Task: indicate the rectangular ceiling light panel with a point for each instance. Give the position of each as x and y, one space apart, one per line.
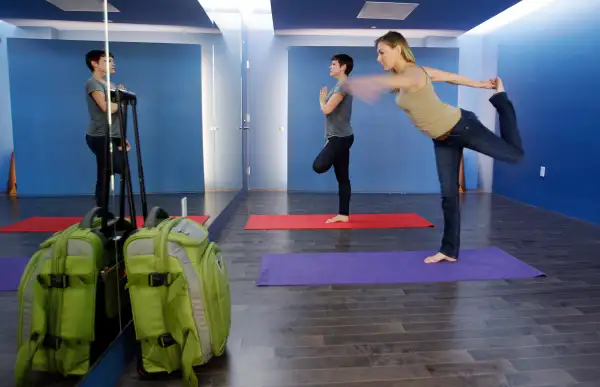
82 5
385 10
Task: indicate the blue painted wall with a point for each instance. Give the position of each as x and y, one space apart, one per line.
389 154
49 114
556 101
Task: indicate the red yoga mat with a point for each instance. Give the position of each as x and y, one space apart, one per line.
317 222
56 223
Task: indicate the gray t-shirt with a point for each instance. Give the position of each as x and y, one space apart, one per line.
337 123
98 119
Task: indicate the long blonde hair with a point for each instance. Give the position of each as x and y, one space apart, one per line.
395 39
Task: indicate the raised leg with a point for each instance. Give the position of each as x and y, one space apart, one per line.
324 160
508 146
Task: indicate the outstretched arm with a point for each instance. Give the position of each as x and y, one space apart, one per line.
368 88
456 79
406 80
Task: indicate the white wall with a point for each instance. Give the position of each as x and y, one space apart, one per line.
226 103
268 83
478 60
221 148
6 133
268 96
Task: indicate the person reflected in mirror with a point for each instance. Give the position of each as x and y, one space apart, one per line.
96 99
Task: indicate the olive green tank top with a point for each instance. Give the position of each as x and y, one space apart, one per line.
427 112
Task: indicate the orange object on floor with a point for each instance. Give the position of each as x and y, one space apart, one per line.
11 187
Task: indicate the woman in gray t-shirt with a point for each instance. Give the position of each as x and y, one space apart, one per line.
337 107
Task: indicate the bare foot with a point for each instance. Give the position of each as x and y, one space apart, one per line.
439 257
499 85
338 219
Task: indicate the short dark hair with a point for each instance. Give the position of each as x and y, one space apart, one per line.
95 56
344 59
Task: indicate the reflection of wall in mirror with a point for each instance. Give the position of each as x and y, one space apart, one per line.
229 177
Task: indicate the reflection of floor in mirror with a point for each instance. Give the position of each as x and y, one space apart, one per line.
8 336
534 332
16 245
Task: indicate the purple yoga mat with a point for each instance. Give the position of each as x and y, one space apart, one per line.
11 270
394 267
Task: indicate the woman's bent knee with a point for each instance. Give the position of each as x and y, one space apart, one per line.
320 167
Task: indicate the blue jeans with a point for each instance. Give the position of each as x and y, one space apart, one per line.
470 133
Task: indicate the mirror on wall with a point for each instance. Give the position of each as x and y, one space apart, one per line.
65 284
179 97
223 108
132 116
178 114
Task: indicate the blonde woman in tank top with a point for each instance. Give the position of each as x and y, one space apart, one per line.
451 129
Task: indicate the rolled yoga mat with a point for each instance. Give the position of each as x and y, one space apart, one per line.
489 263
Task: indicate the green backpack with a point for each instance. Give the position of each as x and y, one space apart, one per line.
179 292
68 304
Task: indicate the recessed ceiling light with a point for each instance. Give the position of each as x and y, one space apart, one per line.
82 5
373 27
386 10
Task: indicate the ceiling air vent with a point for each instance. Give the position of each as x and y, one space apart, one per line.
386 10
82 5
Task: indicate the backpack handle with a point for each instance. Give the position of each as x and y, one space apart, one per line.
156 216
88 219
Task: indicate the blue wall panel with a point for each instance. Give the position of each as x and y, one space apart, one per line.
555 99
49 114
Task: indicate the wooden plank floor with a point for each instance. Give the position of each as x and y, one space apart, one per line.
26 244
519 333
